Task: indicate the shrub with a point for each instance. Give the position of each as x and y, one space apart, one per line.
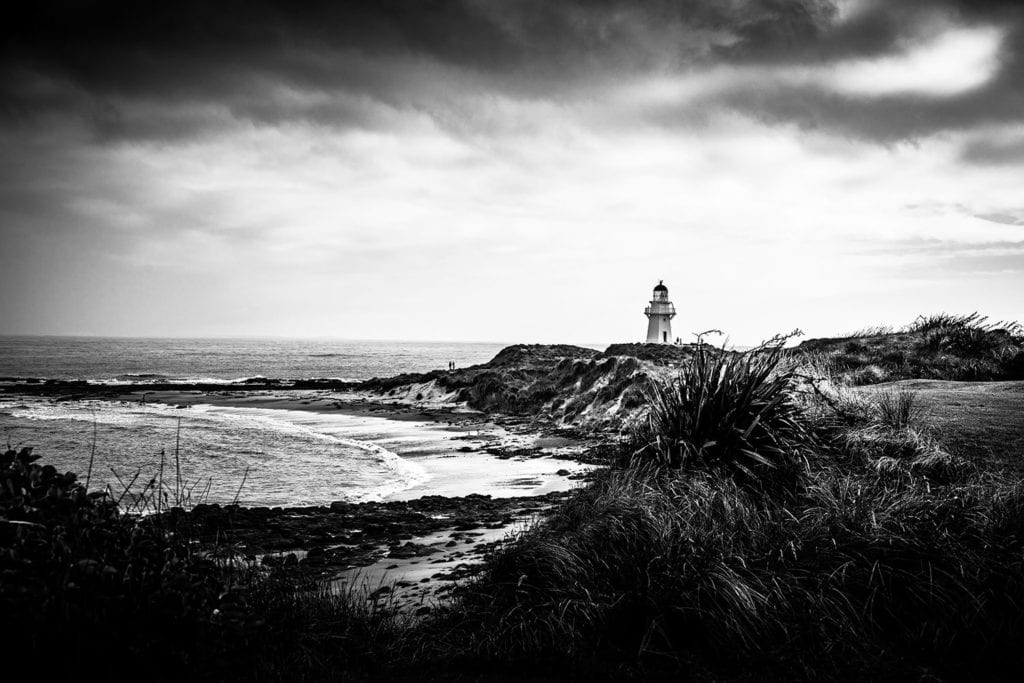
730 412
81 581
82 578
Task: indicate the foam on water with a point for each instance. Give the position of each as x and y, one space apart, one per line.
284 457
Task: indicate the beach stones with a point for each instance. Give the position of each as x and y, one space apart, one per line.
411 549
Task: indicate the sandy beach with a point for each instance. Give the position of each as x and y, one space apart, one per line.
463 451
496 476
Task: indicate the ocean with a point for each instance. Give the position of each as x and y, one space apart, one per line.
259 456
107 359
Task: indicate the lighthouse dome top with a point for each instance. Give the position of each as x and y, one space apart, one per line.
660 287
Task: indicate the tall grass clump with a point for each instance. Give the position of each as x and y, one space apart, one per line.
947 321
939 346
730 412
898 409
638 564
982 344
313 630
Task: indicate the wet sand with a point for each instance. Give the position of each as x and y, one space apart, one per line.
462 451
486 480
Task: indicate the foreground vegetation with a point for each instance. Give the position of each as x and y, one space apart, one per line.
764 521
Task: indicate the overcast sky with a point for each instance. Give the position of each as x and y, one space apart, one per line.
508 170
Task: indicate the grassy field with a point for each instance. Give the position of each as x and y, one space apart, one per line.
982 421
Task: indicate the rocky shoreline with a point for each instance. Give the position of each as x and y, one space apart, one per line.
413 550
442 536
409 551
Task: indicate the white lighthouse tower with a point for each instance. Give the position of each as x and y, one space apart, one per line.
659 316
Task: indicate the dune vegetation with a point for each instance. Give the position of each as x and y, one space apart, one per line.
768 521
764 520
940 346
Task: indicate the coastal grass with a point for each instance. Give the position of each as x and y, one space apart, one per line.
650 574
898 409
733 412
890 557
314 630
120 580
764 521
81 576
939 346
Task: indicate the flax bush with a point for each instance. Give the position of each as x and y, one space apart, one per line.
729 412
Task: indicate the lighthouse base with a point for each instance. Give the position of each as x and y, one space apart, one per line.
659 330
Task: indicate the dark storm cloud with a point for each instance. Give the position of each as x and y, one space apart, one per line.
90 58
881 29
884 118
877 27
138 46
159 70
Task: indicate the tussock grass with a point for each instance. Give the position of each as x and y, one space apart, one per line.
889 556
945 321
870 331
320 632
898 409
693 573
939 346
732 412
82 578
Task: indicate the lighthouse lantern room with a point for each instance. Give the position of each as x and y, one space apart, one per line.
659 316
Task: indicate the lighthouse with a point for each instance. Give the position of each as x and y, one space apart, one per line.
659 316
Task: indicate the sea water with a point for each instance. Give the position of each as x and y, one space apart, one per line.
214 454
195 360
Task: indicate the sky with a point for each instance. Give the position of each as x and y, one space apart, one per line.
508 170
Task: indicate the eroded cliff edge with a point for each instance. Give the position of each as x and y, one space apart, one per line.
568 385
